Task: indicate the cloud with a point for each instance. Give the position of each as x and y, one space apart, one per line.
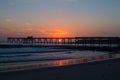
57 33
52 31
8 20
28 24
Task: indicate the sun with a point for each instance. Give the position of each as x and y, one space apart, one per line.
60 40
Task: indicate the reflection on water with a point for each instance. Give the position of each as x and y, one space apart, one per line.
61 63
82 60
58 63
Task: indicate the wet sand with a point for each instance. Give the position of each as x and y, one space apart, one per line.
104 70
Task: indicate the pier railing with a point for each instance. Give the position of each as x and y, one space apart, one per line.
69 42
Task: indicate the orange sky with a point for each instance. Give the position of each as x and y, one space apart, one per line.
59 18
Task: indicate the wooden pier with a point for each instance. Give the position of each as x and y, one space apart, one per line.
70 42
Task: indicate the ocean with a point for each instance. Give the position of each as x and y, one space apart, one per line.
13 55
27 58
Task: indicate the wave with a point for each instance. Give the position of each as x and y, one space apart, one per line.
29 50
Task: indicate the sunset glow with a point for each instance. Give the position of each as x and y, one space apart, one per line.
59 18
60 34
60 40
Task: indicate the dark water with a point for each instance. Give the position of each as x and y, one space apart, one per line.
17 61
23 57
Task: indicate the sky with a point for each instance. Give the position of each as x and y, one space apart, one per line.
59 18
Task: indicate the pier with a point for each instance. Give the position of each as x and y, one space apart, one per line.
69 42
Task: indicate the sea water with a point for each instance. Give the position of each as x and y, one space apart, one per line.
12 59
13 55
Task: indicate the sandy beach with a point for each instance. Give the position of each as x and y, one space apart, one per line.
103 70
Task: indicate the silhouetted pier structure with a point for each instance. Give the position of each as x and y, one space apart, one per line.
70 42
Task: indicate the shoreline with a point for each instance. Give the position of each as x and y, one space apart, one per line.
57 63
102 70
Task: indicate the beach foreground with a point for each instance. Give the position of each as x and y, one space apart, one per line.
103 70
